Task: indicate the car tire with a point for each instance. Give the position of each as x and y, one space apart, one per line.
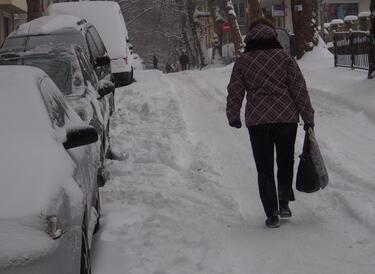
85 250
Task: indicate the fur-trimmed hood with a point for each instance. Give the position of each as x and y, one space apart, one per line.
261 32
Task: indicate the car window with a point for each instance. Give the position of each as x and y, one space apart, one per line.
98 41
67 38
10 61
55 106
59 69
92 47
88 72
14 42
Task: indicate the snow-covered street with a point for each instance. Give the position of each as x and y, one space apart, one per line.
183 195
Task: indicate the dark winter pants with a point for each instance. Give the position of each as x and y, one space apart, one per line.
264 138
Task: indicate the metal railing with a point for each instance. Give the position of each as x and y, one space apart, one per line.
351 49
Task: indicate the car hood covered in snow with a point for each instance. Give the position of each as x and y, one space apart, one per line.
34 166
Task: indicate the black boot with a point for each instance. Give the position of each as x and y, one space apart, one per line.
284 210
273 222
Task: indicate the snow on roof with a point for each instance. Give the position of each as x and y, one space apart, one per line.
337 21
109 22
47 24
351 18
364 14
33 165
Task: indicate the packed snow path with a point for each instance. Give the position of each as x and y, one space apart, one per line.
183 196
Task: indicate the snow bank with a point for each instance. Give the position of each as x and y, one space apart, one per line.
349 99
364 14
350 18
183 197
137 62
337 22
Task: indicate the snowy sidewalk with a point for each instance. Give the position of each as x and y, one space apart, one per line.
184 199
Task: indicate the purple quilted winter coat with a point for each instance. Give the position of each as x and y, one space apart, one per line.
273 83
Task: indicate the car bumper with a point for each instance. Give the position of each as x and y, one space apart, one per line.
65 259
123 78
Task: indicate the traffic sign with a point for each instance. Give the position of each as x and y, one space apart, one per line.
225 27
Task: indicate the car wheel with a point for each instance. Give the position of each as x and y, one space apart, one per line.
85 251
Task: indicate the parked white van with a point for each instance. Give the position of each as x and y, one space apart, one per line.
107 18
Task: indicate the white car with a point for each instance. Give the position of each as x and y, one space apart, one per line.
108 19
49 199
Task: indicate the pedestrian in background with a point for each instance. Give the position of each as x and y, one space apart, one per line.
184 60
276 95
178 67
155 62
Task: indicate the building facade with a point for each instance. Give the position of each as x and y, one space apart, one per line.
12 13
338 9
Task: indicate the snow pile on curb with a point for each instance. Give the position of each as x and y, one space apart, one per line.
163 201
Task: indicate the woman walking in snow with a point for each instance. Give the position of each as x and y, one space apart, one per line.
276 95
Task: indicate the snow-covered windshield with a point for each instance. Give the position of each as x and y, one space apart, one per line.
14 42
45 39
59 69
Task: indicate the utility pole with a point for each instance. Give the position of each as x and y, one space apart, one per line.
322 17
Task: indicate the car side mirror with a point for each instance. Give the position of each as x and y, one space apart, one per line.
102 61
77 137
105 87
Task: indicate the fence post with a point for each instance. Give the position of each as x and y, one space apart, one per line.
351 48
371 57
335 48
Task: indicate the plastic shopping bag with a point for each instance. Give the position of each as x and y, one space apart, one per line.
312 173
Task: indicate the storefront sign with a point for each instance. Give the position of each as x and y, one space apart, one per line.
278 10
298 8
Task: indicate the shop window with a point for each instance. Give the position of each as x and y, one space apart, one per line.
339 11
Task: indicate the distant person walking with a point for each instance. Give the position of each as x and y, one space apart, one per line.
216 48
184 60
155 62
276 95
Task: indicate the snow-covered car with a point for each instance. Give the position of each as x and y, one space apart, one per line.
108 19
49 199
68 29
69 68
